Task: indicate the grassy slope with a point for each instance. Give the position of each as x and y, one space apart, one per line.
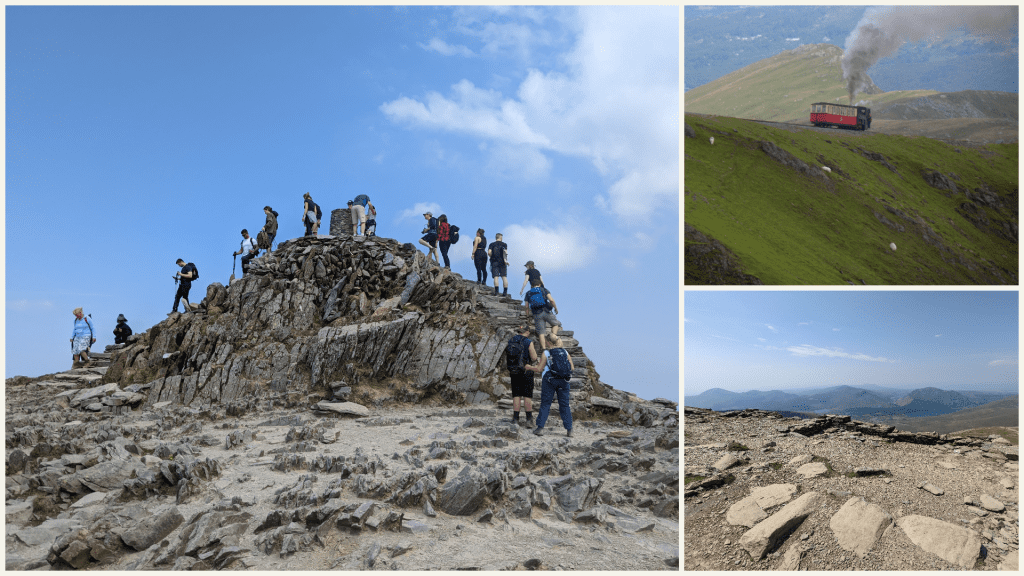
783 87
786 228
1005 412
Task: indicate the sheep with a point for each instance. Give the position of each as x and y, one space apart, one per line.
826 168
712 140
893 246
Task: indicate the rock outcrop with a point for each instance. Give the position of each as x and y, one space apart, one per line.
877 499
343 406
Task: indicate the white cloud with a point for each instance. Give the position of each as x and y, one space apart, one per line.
808 350
762 339
803 323
1003 362
518 163
772 328
568 247
617 105
937 335
418 210
23 305
835 329
442 47
792 39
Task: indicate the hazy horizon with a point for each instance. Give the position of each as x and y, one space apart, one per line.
789 340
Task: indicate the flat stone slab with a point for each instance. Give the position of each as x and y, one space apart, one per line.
928 486
97 392
812 470
605 403
751 510
89 499
1010 562
343 408
726 462
952 543
858 524
947 465
768 534
991 504
801 459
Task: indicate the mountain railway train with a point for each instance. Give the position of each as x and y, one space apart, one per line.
828 115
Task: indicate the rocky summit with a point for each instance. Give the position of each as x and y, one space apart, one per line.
767 492
345 405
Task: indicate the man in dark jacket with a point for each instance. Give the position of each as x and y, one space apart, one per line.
184 278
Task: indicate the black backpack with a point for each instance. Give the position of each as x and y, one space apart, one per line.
319 214
454 234
515 354
195 271
559 365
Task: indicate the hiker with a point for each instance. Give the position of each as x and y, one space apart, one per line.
310 215
122 331
517 352
184 280
444 238
531 273
371 219
480 256
430 240
248 249
270 228
498 252
556 381
540 303
357 210
82 338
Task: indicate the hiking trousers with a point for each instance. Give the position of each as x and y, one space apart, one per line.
550 386
183 288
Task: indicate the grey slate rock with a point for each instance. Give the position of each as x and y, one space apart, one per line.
149 531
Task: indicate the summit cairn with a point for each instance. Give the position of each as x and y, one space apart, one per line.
343 406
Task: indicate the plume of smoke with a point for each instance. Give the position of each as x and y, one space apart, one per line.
881 32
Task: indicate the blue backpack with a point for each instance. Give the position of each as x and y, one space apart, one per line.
559 364
537 299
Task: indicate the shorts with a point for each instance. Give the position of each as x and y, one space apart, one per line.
542 318
498 270
522 385
431 239
311 217
358 214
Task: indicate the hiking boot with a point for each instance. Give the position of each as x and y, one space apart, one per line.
495 290
538 431
568 433
529 421
504 292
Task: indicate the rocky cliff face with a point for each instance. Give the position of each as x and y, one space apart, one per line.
342 406
765 492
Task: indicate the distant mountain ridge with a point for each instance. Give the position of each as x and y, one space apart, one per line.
845 400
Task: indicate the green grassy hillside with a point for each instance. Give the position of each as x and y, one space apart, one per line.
783 87
750 217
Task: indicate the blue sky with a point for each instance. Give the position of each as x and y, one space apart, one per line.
780 340
136 136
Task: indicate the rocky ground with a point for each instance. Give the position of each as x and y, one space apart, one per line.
344 407
764 492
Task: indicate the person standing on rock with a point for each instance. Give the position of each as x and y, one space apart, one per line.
444 238
357 211
82 337
248 249
371 219
184 279
310 215
531 273
498 253
430 239
541 303
270 228
122 331
480 256
522 363
555 382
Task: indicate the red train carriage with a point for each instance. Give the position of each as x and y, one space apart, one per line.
828 115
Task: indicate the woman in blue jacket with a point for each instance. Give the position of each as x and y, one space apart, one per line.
82 337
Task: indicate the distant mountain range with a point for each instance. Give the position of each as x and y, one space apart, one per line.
848 400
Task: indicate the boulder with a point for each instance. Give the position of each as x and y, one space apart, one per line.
812 470
956 545
769 533
726 462
991 504
149 531
343 408
462 495
858 524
